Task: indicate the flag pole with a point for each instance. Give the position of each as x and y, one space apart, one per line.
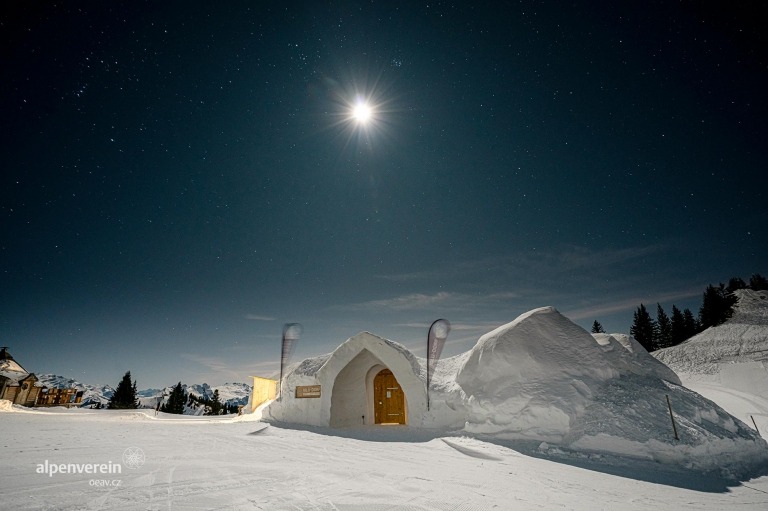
438 333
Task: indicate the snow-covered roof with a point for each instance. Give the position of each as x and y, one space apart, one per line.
311 366
7 363
16 377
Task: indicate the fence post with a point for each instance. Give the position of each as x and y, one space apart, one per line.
672 417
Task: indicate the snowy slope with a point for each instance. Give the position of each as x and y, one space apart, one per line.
734 353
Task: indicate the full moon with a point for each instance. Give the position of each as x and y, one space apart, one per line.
361 113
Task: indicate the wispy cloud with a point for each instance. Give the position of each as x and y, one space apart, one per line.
217 369
413 301
455 327
257 317
529 267
424 301
628 304
463 335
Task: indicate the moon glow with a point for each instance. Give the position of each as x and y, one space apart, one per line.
361 112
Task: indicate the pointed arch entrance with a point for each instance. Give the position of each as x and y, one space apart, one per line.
347 379
388 399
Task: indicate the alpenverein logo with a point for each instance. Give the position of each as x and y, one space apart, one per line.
133 457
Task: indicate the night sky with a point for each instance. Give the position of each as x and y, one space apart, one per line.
180 179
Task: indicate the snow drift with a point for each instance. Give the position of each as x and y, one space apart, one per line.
537 375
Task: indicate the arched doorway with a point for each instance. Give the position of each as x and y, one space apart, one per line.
388 399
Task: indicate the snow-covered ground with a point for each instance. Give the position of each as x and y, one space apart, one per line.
610 446
238 463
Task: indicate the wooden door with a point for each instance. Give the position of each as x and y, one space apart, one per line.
389 399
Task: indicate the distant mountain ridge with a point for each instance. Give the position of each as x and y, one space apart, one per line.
93 395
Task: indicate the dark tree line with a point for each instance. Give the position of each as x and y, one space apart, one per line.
178 399
666 331
213 404
126 397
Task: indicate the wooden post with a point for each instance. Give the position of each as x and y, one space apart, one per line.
755 423
672 417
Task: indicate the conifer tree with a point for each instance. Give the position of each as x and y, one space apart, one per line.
691 327
125 395
758 283
597 328
716 307
215 403
643 328
176 401
664 328
677 326
735 283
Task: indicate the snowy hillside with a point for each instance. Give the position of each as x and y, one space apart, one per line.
734 354
729 363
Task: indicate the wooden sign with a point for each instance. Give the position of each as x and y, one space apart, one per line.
307 391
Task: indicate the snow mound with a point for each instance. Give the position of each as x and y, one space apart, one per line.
533 376
543 377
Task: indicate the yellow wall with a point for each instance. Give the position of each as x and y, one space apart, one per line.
264 390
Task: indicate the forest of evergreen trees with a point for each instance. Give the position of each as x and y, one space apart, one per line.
670 330
212 406
126 397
